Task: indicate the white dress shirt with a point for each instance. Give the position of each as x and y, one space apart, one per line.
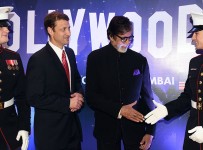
58 52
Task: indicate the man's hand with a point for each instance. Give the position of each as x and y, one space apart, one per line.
146 142
76 101
197 134
156 114
130 113
25 139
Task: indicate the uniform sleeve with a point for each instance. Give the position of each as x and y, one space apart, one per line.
23 108
182 104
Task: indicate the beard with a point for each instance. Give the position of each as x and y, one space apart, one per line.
122 48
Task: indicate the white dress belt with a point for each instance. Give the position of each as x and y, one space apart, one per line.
194 104
7 103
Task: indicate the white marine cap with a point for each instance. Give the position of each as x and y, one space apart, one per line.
4 11
197 18
197 22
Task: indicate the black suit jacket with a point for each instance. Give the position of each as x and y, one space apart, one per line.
115 79
48 92
12 85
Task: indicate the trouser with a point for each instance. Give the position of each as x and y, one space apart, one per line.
9 129
105 145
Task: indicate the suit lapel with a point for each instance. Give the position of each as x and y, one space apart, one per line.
70 58
56 61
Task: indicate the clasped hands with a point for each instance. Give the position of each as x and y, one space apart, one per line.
25 139
76 102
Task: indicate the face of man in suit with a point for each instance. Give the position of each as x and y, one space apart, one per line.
4 31
60 34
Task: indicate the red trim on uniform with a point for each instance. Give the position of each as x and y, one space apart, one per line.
198 121
198 111
5 138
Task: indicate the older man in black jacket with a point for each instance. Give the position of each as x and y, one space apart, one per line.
118 89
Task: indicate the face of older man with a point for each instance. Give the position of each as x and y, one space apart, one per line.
121 42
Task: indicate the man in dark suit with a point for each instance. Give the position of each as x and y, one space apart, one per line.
14 111
118 89
192 96
55 90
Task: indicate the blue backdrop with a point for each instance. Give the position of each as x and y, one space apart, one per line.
160 30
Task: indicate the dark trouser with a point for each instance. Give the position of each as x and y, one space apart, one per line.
76 145
9 129
6 146
190 144
192 122
73 145
104 145
3 145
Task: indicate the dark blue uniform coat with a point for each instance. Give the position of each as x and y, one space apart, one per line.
193 91
12 85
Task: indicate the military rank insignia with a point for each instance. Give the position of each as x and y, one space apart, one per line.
12 64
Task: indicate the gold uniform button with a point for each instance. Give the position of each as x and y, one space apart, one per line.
0 89
199 106
200 82
199 91
0 72
200 99
201 73
0 81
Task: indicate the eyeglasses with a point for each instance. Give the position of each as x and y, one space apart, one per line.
124 39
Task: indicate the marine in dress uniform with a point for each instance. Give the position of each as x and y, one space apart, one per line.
14 113
192 96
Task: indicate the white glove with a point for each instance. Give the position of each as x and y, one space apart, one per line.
197 135
25 139
157 114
